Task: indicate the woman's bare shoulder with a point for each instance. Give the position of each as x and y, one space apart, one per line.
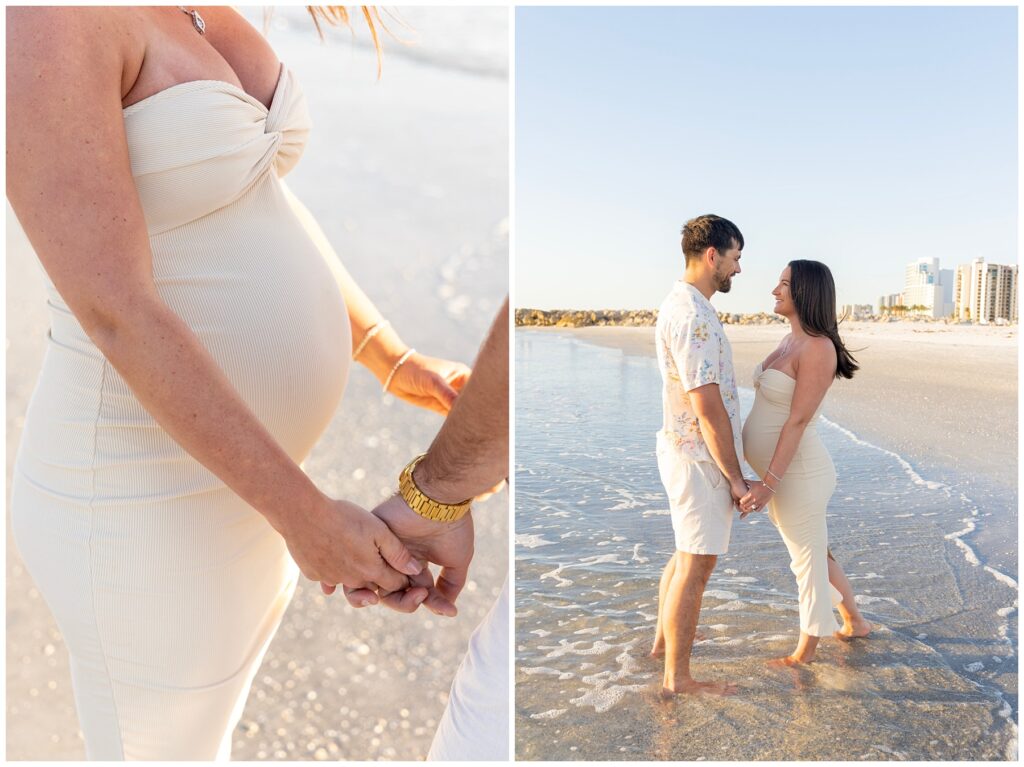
818 351
86 37
52 25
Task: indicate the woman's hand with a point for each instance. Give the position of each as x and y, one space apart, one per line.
446 544
429 382
756 499
338 542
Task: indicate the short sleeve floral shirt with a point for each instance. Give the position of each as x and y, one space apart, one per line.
692 352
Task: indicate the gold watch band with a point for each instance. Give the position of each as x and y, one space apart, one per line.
424 505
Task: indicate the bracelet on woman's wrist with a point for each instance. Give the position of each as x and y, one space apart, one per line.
401 361
369 336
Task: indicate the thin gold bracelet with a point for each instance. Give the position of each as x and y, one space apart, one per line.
401 361
369 336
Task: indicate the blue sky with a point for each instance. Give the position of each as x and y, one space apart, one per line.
862 137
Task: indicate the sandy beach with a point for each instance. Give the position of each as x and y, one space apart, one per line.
408 178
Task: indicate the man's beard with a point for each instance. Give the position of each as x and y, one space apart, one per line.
723 284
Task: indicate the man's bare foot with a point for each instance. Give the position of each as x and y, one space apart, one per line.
789 660
855 630
693 687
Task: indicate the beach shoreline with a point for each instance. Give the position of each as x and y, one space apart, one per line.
958 384
943 397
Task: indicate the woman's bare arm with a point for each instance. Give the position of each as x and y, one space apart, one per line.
69 181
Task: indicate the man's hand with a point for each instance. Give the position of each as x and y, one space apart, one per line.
338 542
448 544
738 488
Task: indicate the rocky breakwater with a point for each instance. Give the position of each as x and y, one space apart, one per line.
637 318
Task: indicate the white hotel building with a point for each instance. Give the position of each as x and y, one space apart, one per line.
985 293
928 286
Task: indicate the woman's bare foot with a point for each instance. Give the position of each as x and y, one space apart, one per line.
693 687
855 629
789 660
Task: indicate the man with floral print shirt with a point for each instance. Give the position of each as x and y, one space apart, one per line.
700 440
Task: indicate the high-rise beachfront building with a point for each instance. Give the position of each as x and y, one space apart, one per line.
886 303
856 311
929 286
985 293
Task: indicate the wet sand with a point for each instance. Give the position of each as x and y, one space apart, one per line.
420 219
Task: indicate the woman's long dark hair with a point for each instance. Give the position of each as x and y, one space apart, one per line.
814 295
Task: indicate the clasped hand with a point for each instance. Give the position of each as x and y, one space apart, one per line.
383 557
756 498
446 544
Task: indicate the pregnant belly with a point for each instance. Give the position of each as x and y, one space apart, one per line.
811 458
260 296
267 308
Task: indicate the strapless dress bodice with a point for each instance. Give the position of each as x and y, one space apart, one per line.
198 146
776 388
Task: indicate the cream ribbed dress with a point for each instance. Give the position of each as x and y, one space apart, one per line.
798 507
166 586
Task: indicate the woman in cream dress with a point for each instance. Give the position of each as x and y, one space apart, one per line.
201 335
781 444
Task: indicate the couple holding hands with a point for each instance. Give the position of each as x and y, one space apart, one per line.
201 334
701 441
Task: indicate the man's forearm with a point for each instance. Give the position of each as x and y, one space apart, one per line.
717 431
470 453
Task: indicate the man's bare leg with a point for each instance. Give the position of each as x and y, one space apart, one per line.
658 650
659 632
854 624
681 613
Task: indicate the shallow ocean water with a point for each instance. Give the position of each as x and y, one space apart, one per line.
937 680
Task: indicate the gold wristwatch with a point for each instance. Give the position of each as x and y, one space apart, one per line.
424 505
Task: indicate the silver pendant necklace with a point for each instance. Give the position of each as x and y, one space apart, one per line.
197 20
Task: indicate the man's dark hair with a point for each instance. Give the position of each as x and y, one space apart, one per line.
709 231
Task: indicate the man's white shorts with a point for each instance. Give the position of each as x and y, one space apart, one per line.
475 726
701 504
